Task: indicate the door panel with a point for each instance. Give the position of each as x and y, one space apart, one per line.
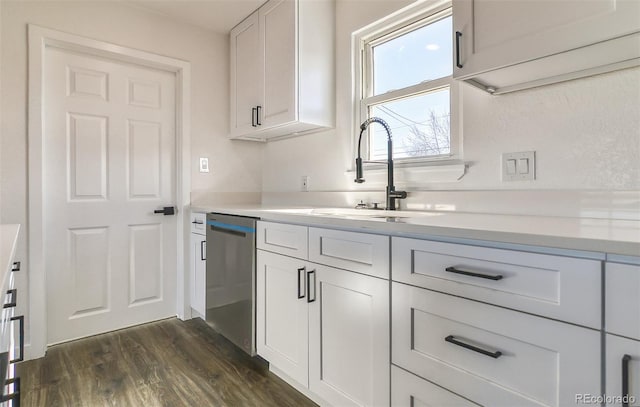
282 332
246 68
89 255
349 338
109 162
277 22
87 137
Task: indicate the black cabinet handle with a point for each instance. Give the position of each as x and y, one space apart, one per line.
309 286
20 320
14 298
15 266
494 277
258 108
301 270
458 35
203 250
15 395
452 339
625 380
254 110
195 222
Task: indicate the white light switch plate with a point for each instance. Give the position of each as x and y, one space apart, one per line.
519 166
204 164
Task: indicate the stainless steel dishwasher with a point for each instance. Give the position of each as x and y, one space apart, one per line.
231 276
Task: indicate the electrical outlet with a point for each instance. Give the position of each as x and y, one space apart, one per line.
519 166
204 164
304 183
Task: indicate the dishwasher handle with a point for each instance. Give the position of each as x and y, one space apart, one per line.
229 228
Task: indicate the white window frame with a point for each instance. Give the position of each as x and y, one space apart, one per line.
398 23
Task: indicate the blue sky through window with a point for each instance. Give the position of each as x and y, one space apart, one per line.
418 123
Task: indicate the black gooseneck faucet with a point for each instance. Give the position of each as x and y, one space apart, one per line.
392 194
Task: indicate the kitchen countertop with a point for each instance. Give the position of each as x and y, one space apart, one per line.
611 236
8 241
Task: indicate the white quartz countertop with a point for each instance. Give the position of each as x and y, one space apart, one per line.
8 241
611 236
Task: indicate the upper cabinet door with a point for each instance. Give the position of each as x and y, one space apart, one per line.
278 33
496 34
282 70
246 79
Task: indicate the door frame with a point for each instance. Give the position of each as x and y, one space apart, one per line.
39 39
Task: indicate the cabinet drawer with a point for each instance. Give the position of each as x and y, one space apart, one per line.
408 390
198 221
563 288
622 303
361 252
619 349
290 240
491 355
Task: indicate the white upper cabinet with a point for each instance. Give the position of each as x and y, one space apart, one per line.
282 70
503 46
246 67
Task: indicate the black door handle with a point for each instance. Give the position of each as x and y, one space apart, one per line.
309 286
452 339
625 380
301 270
167 210
458 35
494 277
258 108
254 110
20 320
203 250
14 298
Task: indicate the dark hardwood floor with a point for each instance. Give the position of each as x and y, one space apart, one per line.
166 363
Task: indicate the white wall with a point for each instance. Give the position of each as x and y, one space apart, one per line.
236 166
585 132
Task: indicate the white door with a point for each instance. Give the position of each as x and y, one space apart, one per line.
246 80
282 331
278 35
349 338
623 371
109 162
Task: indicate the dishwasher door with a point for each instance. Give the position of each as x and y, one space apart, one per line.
231 270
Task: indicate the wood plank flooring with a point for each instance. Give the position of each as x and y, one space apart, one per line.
167 363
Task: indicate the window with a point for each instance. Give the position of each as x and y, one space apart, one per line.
405 79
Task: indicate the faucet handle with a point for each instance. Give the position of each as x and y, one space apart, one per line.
361 205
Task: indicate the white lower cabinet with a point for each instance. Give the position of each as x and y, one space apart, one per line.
325 328
349 338
282 332
198 267
622 371
491 355
409 390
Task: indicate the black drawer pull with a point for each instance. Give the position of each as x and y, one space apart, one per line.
458 35
452 339
203 250
625 380
254 111
301 270
15 395
258 108
309 286
15 266
494 277
14 298
20 320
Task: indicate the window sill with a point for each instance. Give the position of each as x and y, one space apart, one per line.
414 174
